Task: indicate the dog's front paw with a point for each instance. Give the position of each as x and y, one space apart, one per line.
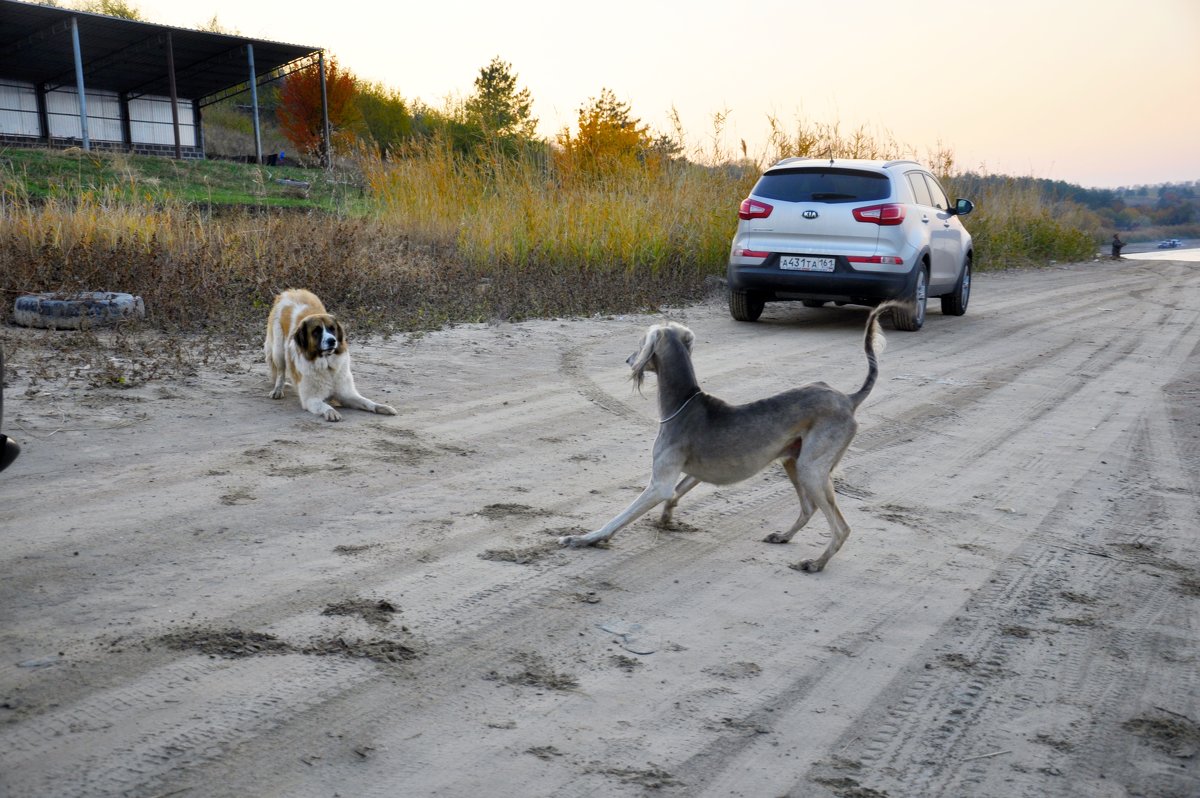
276 393
775 537
331 415
385 410
807 566
582 542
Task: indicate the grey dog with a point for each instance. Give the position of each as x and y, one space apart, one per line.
708 440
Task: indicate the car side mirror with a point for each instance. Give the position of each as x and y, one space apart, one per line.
963 206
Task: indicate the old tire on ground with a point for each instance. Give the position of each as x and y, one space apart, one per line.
67 311
744 306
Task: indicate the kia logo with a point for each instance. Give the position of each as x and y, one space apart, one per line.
810 214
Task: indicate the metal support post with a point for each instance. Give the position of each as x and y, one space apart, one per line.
126 126
325 138
254 105
198 127
174 94
83 119
43 113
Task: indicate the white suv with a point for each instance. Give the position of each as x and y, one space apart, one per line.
857 232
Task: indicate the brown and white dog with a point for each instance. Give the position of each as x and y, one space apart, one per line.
308 345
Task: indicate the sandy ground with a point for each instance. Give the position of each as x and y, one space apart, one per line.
208 593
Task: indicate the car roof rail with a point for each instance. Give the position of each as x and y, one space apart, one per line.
794 159
833 161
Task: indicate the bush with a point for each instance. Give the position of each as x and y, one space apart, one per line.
1014 225
438 232
195 271
520 214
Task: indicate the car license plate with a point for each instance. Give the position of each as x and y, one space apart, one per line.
799 263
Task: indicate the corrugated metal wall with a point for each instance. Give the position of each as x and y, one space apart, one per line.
18 109
149 117
150 121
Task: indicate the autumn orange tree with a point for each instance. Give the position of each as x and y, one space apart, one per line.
299 109
609 138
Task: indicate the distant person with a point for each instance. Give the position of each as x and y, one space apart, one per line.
1117 243
8 447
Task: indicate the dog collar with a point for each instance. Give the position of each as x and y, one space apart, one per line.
680 410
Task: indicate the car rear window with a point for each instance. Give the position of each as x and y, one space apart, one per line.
823 184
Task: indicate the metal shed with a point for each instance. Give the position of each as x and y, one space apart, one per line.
70 78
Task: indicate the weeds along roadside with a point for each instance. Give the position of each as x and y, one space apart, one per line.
1015 225
530 214
437 243
438 237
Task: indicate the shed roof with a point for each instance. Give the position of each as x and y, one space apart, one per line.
129 56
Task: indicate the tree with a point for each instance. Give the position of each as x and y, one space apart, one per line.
497 106
299 110
112 8
608 136
214 26
385 116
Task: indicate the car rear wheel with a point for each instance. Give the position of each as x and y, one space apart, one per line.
745 306
955 303
910 316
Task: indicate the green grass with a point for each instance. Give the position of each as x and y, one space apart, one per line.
39 175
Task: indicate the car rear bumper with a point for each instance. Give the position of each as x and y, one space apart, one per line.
843 284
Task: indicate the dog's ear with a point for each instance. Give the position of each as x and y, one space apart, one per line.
639 362
340 332
301 337
686 336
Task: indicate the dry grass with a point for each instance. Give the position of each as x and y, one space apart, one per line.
1013 224
197 271
441 237
1016 226
523 214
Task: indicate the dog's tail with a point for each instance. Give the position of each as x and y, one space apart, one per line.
874 343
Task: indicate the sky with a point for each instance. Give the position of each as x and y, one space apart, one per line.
1095 92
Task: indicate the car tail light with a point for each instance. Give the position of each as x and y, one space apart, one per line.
887 214
891 260
753 253
753 209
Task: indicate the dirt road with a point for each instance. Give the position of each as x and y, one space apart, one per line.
207 593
